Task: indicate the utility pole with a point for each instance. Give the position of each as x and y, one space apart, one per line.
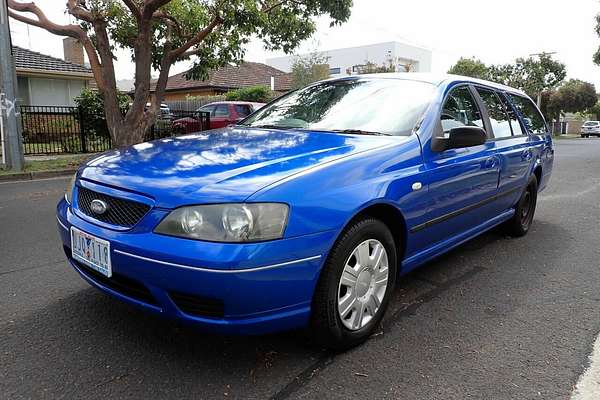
12 146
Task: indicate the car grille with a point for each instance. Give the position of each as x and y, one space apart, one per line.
120 212
199 306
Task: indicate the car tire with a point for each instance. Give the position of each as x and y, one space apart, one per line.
520 223
357 285
582 135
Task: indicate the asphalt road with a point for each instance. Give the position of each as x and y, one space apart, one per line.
498 318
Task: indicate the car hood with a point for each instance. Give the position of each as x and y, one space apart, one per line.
225 165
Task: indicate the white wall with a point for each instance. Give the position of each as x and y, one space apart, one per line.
379 53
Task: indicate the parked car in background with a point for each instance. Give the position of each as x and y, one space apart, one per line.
164 112
306 213
222 114
590 128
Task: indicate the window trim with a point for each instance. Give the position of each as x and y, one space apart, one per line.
437 137
502 95
520 116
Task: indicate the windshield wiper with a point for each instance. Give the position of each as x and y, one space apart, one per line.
360 132
269 126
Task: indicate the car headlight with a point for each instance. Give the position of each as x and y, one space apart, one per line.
69 189
240 222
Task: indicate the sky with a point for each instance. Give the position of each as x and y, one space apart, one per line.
493 31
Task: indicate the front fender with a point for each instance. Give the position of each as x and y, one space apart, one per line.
328 197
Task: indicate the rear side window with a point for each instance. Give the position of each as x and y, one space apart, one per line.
497 113
516 126
534 122
208 109
460 109
243 110
222 110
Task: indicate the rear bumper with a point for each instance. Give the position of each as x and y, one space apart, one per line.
227 288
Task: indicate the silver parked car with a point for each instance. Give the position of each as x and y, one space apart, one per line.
590 128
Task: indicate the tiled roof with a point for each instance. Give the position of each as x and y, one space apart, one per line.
234 77
27 59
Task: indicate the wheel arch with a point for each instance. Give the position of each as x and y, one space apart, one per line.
537 171
392 217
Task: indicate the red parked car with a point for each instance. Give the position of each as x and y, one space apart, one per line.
222 114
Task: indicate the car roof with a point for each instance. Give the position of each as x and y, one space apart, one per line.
433 78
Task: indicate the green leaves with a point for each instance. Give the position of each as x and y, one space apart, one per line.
470 67
574 96
280 24
308 69
257 94
532 75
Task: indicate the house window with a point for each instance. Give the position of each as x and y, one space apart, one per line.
335 71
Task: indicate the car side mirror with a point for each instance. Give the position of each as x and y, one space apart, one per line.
465 136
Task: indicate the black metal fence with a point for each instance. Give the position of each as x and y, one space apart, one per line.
56 130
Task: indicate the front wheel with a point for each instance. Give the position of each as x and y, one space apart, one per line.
521 221
355 286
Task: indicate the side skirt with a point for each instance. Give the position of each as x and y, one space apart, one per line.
444 246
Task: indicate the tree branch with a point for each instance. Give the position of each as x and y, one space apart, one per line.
180 51
74 31
169 20
150 6
134 8
42 21
267 9
76 10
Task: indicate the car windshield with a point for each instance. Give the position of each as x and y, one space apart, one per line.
361 106
591 123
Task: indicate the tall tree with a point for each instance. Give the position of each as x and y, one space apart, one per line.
309 68
210 33
533 75
472 67
594 111
574 96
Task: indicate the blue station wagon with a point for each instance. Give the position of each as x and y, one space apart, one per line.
305 214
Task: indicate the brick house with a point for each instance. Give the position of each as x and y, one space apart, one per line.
227 78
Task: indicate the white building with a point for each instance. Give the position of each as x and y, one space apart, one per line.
406 58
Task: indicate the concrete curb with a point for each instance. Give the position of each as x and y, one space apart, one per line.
30 176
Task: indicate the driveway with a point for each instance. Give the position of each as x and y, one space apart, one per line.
497 318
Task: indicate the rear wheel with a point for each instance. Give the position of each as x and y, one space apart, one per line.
355 285
520 223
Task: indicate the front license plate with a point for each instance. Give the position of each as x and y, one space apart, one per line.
91 251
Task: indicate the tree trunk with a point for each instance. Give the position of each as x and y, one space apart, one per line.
126 133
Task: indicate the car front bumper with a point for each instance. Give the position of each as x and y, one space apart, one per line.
228 288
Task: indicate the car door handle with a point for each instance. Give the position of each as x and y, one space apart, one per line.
491 162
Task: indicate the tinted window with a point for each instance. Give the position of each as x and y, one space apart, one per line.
517 129
460 109
497 113
592 123
534 122
208 109
243 110
221 110
390 106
